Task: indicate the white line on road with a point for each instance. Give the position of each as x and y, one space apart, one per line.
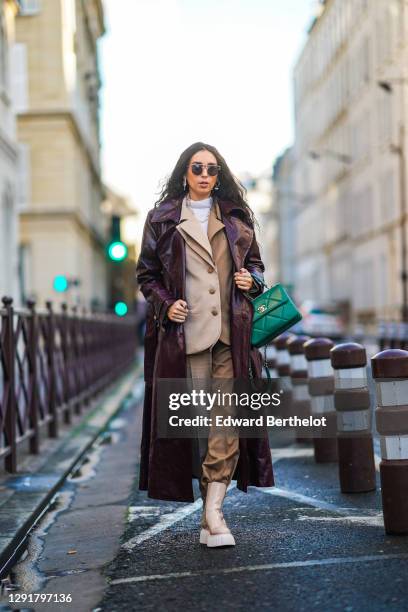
370 521
371 517
290 452
264 567
305 499
165 521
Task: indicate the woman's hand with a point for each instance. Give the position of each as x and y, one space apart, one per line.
243 279
178 311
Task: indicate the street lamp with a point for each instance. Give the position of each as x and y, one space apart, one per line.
399 149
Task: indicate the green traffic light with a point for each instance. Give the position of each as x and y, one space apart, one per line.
117 251
60 283
121 309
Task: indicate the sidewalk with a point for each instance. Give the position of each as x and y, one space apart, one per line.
26 495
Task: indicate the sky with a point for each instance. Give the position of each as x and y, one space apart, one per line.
179 71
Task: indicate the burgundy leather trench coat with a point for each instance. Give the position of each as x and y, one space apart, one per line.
165 468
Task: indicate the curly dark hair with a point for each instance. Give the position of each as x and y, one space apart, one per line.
230 188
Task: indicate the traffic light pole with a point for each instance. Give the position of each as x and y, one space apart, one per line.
403 219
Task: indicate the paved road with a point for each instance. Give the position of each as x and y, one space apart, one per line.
300 546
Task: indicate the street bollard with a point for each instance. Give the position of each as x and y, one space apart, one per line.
270 358
321 391
390 372
352 403
298 374
283 370
283 359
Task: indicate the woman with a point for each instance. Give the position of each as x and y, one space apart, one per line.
198 268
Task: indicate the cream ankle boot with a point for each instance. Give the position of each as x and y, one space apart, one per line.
218 532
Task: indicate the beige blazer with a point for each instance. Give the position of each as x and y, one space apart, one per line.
209 272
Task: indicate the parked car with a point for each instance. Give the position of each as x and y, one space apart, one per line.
320 320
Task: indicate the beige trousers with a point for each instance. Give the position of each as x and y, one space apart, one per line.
219 453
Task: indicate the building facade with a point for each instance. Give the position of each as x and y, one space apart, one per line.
281 222
259 196
350 112
8 158
56 84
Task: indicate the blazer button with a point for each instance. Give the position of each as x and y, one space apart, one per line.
211 290
210 269
214 311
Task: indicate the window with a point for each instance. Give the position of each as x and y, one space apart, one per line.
19 80
365 60
385 117
25 272
387 197
30 7
362 213
361 137
363 284
3 51
382 293
7 240
24 177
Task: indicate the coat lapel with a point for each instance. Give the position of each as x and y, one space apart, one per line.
214 222
190 228
238 233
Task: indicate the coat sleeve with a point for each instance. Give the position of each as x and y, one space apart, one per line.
149 273
255 266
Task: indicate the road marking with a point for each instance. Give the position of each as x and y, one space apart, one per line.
305 499
290 452
371 517
138 512
165 521
370 521
264 567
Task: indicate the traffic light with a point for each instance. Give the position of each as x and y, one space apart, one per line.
117 250
60 283
121 309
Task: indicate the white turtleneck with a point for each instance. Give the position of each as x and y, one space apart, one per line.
201 209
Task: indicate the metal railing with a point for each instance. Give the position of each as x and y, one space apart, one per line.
51 365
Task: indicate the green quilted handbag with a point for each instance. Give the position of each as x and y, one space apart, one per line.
274 313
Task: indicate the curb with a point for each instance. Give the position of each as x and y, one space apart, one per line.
34 490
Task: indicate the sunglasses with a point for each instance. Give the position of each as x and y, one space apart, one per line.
212 169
